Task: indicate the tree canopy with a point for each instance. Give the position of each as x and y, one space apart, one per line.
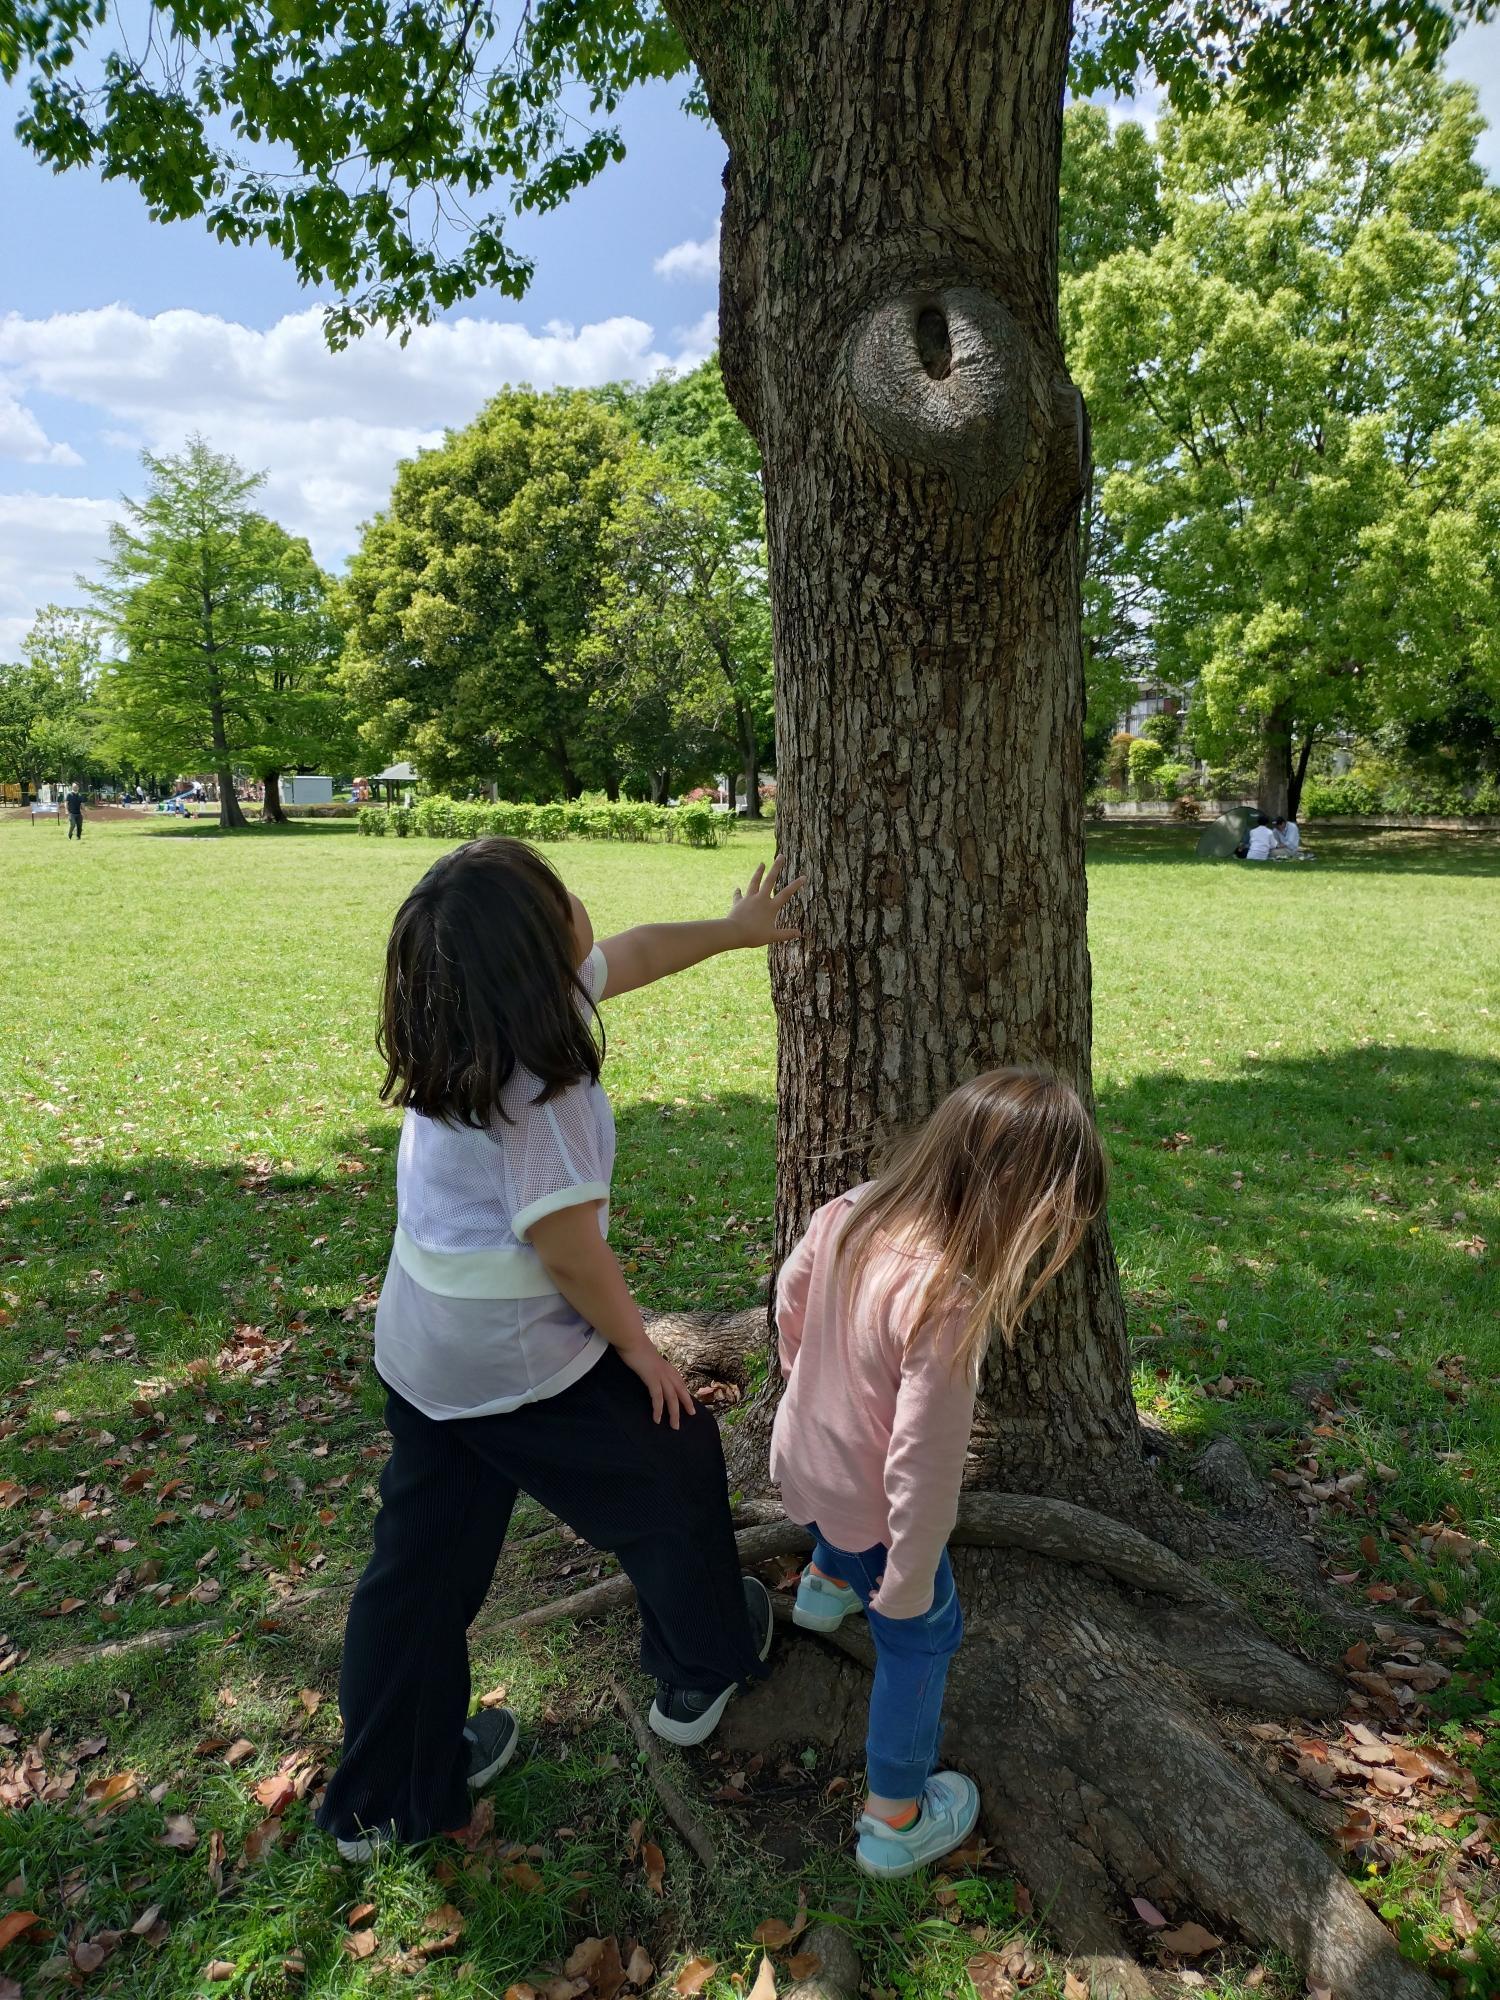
378 143
46 724
1290 389
224 645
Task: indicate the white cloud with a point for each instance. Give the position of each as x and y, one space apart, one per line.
327 428
22 437
45 540
690 263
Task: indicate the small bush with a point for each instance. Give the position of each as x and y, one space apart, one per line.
1147 762
596 818
1344 797
1187 805
1485 802
1117 760
701 826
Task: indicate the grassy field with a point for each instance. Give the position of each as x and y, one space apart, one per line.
1299 1080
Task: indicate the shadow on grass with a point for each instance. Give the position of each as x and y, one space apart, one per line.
169 826
1367 850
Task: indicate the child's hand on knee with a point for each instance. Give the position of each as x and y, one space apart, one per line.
666 1388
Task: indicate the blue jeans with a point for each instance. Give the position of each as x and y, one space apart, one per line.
911 1671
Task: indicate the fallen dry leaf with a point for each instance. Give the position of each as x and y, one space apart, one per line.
360 1944
520 1992
219 1968
311 1700
639 1967
261 1839
1148 1912
145 1921
991 1979
1074 1988
765 1982
108 1793
448 1922
655 1864
276 1793
522 1876
495 1698
804 1965
1189 1940
360 1914
14 1922
181 1834
773 1934
216 1860
1459 1912
693 1977
239 1751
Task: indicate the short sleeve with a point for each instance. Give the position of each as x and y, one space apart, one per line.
594 973
554 1155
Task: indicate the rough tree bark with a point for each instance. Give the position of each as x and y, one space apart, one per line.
1274 789
272 811
889 333
1299 773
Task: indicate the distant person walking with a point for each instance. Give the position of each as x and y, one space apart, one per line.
74 803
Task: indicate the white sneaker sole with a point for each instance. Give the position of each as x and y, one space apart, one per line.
810 1621
479 1779
897 1871
686 1734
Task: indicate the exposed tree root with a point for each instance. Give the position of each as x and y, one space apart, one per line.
838 1976
709 1346
687 1822
1087 1713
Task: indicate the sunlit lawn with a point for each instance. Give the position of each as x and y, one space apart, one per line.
1299 1078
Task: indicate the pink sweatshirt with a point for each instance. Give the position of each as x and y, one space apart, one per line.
870 1438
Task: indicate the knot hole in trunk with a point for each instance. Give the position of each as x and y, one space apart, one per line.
939 375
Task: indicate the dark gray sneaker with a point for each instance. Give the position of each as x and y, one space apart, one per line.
492 1736
688 1715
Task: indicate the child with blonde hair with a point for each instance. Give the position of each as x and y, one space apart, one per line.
884 1311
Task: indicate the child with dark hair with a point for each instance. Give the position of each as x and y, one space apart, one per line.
513 1356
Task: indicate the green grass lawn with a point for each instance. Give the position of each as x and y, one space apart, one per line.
1299 1080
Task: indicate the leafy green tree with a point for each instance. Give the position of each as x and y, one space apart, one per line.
1290 389
305 721
471 591
46 721
223 646
682 619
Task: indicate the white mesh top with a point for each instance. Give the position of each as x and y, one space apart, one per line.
469 1322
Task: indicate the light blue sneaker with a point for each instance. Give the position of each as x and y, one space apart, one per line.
822 1606
949 1814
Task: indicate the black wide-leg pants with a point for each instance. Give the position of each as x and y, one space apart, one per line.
655 1498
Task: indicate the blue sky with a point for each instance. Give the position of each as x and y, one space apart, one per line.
117 334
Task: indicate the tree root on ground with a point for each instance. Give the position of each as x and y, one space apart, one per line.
1088 1719
687 1822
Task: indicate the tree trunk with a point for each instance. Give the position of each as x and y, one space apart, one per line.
1273 791
272 811
749 759
661 786
889 333
732 786
1299 774
888 329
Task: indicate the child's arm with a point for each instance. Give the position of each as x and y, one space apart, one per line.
923 1471
655 951
587 1273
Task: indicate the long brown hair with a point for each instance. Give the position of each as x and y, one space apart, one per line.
480 981
997 1188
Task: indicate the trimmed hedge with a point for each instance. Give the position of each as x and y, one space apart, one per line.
439 818
1367 791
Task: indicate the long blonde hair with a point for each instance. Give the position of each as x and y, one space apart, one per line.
997 1188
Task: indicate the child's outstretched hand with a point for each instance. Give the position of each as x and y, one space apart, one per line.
756 909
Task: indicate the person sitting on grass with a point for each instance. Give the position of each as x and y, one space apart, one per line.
884 1311
1261 843
1288 839
513 1357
